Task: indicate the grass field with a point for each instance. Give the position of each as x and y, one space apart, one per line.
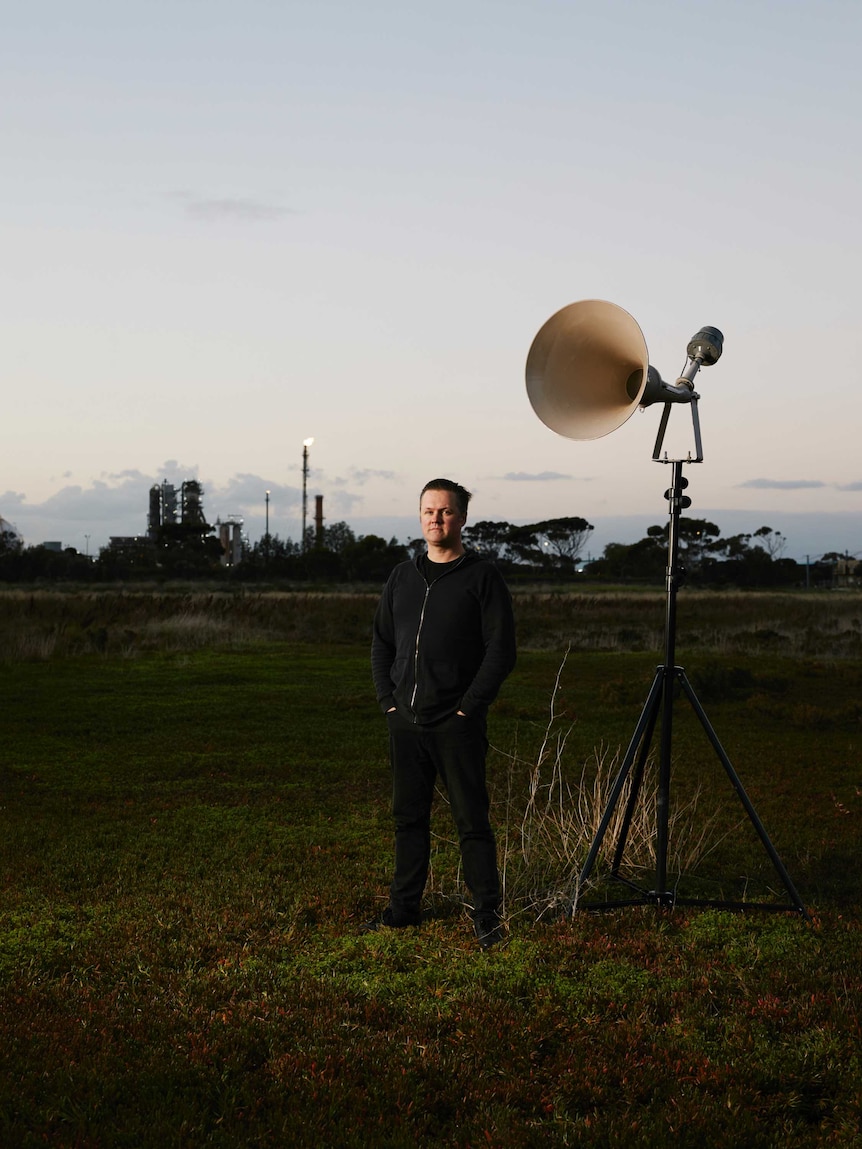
195 823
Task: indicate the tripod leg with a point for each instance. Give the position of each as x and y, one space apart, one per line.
646 721
634 793
662 894
740 790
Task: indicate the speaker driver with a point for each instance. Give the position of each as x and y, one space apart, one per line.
587 369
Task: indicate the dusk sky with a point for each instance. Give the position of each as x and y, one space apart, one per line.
228 227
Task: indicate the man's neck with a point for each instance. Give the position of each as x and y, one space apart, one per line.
444 554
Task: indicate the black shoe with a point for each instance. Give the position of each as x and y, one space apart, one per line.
489 930
392 920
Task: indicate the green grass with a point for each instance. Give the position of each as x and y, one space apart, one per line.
191 838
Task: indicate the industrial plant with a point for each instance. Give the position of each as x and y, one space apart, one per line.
176 518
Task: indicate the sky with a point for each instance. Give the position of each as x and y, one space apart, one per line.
228 227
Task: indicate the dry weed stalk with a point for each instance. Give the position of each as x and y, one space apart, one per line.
545 842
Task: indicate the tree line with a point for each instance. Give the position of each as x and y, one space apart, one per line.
551 550
751 559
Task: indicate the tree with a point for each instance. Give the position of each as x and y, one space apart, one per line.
522 545
773 542
551 545
696 537
744 564
23 564
488 538
733 547
416 547
564 538
371 558
273 548
10 541
646 559
337 537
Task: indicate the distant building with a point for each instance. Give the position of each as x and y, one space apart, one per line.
230 537
132 546
170 508
848 572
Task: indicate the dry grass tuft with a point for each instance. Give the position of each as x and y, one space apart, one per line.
550 815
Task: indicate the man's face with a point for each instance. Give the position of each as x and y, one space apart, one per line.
441 520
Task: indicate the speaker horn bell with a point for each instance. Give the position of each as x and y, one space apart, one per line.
587 369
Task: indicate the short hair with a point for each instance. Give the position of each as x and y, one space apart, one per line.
462 495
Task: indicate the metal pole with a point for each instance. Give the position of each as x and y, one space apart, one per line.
304 491
306 444
677 501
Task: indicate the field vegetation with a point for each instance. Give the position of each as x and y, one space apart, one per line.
44 622
195 824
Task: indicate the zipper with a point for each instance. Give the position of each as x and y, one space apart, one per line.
428 586
416 650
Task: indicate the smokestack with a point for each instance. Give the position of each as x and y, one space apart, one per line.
318 521
154 518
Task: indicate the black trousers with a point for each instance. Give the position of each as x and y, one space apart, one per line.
455 749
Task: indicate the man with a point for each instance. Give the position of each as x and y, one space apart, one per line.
444 641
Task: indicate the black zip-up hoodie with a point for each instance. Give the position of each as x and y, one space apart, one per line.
444 646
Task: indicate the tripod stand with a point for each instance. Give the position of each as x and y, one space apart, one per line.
660 700
587 370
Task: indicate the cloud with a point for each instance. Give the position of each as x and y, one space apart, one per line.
246 494
358 477
118 504
247 491
783 484
849 486
238 209
344 502
114 504
76 504
541 477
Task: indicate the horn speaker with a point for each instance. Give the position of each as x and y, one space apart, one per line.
587 369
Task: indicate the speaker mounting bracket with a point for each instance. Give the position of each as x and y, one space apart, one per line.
697 457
